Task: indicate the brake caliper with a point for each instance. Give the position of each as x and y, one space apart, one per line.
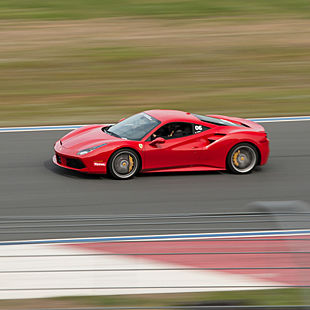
130 163
235 158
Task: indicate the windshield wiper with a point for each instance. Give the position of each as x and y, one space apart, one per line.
112 133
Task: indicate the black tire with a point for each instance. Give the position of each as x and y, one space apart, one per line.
124 164
242 158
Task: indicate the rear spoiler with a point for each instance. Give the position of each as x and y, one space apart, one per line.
241 122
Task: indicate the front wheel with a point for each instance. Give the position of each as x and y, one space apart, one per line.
242 158
123 164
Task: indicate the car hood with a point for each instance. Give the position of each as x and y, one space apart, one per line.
86 137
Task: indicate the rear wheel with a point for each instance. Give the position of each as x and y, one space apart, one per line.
242 158
123 164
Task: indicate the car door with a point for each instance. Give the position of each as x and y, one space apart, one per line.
173 151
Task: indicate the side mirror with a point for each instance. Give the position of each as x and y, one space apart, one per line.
121 119
158 140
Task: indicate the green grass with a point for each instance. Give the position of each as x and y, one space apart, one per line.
65 62
63 76
83 9
260 297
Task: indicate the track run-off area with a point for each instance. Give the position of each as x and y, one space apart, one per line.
31 186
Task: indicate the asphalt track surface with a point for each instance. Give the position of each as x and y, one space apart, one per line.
31 186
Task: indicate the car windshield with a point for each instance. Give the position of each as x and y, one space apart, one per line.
134 127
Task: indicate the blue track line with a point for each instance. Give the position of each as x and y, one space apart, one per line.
39 128
71 127
280 119
162 237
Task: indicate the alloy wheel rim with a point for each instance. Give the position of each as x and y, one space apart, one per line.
243 159
124 165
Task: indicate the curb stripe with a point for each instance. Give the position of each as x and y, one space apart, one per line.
71 127
163 237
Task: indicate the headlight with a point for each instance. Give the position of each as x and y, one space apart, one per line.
86 151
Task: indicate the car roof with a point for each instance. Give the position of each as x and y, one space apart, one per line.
172 116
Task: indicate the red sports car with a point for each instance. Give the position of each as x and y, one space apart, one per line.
163 141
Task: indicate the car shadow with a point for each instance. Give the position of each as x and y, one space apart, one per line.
158 174
49 165
257 169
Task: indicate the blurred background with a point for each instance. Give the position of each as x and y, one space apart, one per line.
78 61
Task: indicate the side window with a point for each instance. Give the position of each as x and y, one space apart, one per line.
199 128
173 130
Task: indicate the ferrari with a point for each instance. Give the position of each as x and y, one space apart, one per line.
164 141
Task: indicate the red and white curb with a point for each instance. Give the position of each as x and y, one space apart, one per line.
34 269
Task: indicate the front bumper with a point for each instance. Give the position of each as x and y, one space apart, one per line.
69 163
66 158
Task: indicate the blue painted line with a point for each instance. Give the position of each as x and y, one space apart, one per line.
282 119
160 237
39 128
71 127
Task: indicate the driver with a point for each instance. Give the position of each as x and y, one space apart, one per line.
158 133
171 130
166 132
